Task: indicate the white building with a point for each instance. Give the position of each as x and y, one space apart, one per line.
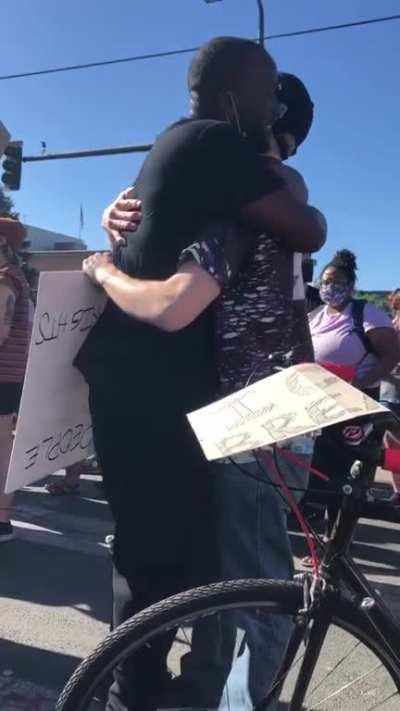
40 240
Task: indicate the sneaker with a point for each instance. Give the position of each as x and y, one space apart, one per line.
6 532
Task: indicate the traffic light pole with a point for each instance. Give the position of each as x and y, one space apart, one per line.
118 150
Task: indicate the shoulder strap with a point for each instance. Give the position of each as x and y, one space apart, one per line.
357 313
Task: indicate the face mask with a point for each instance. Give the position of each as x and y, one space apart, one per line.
334 295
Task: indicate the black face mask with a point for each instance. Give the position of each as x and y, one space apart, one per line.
307 268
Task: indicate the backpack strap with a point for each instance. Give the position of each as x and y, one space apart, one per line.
357 314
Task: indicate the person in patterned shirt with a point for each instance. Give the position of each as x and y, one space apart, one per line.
259 310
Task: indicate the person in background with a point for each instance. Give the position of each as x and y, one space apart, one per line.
348 331
16 314
390 393
70 482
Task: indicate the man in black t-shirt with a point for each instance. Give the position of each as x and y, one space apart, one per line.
145 377
260 310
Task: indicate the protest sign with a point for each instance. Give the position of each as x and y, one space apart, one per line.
294 401
54 426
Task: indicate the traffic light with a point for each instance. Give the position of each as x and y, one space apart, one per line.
12 165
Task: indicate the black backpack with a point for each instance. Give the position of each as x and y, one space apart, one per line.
357 312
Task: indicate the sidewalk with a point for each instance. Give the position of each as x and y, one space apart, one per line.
55 592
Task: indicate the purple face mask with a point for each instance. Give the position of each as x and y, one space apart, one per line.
335 294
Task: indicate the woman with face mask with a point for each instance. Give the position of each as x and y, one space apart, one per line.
347 331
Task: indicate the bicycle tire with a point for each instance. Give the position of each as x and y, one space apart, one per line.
281 597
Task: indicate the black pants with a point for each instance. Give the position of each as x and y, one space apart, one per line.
334 460
157 485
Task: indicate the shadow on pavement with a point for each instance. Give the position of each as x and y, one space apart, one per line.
52 576
42 667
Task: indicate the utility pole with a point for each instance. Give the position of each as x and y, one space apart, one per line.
261 19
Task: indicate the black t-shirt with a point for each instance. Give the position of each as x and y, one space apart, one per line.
197 171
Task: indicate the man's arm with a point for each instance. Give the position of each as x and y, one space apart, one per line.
230 179
170 304
238 180
300 227
7 309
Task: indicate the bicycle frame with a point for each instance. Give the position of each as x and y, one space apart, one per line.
338 565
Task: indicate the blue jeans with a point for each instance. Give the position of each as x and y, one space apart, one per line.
251 542
389 394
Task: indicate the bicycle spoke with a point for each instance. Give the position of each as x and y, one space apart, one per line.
228 656
284 676
380 703
185 637
334 668
347 686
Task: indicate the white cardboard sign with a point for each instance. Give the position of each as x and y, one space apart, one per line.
295 401
54 425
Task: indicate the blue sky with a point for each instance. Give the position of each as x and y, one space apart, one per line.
350 161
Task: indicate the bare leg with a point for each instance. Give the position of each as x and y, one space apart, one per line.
6 439
392 440
70 483
6 501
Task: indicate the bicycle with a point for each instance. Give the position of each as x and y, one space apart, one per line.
333 610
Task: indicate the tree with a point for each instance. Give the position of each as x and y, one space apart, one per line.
378 298
6 205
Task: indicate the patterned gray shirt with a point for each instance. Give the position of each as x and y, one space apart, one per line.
261 309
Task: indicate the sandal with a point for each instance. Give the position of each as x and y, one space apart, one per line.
62 488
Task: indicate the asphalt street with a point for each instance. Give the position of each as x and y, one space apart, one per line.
55 588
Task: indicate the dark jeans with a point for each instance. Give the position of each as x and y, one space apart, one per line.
180 522
157 485
252 542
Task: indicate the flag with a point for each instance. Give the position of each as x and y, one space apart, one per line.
81 220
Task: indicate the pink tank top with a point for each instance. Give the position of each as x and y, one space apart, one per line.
14 352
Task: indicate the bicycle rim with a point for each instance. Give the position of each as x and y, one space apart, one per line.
221 647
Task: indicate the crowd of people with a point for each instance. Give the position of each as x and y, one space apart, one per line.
210 255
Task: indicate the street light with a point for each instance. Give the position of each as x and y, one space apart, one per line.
261 22
261 19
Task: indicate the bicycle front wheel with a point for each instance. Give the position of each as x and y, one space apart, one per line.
221 647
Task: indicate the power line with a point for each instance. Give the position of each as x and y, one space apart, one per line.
189 50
